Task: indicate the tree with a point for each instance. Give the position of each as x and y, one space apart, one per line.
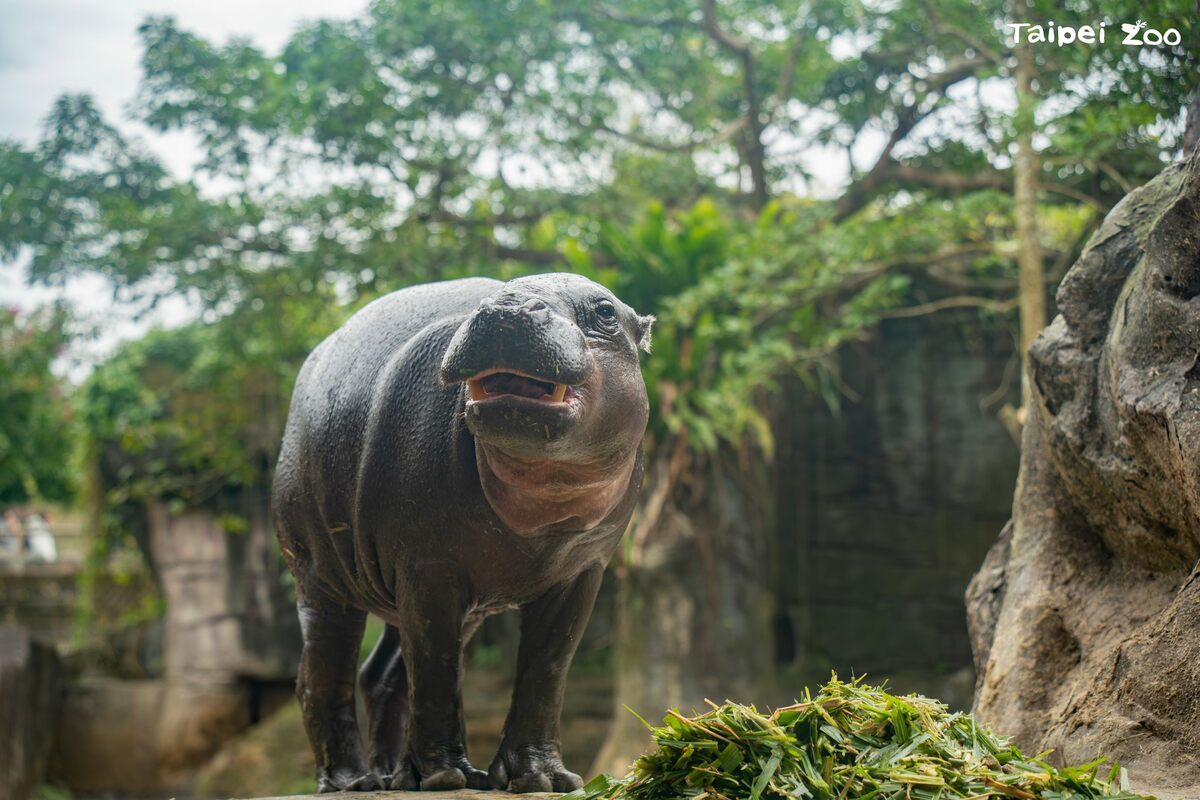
1031 272
36 429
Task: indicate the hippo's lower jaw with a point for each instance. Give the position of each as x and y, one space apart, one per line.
495 383
522 412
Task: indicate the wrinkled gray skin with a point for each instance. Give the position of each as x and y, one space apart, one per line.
399 495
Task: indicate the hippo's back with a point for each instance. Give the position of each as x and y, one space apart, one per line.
329 420
343 368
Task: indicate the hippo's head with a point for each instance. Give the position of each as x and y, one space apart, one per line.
552 388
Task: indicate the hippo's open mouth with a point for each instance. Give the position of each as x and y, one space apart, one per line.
494 384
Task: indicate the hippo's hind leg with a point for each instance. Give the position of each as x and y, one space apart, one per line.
530 756
325 686
384 683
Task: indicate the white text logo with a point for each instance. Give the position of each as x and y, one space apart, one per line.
1136 34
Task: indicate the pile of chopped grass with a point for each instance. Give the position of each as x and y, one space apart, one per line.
849 742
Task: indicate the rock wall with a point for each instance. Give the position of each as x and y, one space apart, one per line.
43 599
230 637
1086 616
693 608
30 693
888 505
228 616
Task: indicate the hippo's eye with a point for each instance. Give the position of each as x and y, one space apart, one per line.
606 310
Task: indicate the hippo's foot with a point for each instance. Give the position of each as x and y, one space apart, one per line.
532 768
401 778
347 780
453 774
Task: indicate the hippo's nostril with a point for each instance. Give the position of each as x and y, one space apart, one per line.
514 302
506 301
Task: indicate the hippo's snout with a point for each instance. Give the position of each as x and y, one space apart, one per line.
516 344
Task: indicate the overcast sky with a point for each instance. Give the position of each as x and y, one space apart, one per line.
48 47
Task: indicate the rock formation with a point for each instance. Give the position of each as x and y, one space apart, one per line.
30 694
230 638
1085 618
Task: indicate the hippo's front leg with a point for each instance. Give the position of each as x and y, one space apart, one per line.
530 756
432 615
325 686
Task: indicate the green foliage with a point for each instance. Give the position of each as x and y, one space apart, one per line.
35 422
49 792
846 741
741 306
744 305
184 414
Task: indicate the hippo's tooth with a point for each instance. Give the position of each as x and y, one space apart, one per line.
560 392
477 390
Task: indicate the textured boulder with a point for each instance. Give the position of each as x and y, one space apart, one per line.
1085 618
141 738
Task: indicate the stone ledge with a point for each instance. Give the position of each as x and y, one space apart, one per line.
1185 793
460 794
1192 793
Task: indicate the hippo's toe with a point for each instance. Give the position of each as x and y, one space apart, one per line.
444 780
533 782
555 781
477 779
404 779
348 781
565 781
533 769
448 778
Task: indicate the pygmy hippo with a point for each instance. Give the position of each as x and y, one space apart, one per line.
455 450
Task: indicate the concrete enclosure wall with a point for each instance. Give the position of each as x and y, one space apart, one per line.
888 506
30 695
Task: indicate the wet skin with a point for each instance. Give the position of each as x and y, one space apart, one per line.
456 450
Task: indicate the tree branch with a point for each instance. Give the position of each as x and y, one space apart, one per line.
442 215
723 38
961 301
783 91
727 132
946 179
860 191
1075 194
614 15
996 57
755 151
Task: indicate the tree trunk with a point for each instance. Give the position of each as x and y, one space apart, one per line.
1030 267
1084 617
756 151
694 604
1191 133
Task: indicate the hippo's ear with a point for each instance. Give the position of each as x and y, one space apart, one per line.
644 324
